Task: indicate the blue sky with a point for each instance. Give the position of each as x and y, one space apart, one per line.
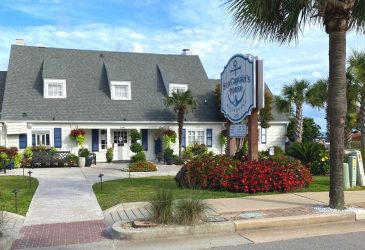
158 26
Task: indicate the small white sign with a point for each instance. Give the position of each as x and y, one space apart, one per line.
237 130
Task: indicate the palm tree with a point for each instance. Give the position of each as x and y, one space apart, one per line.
281 21
317 97
182 102
294 94
357 68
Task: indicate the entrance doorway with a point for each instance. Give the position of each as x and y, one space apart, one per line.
121 145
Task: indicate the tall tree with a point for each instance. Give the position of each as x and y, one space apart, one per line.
310 130
182 102
357 68
281 21
265 113
294 94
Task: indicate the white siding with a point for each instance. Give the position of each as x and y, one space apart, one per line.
275 136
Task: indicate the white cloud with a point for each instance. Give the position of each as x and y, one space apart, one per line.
317 74
137 47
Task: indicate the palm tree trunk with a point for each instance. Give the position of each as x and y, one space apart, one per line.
362 123
337 115
327 120
298 127
180 119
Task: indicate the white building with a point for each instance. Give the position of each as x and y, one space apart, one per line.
47 92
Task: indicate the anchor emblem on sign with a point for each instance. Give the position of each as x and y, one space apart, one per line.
236 91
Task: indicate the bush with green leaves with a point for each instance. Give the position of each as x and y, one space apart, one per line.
306 152
161 207
73 160
109 155
84 152
194 150
144 166
278 154
321 166
27 153
189 211
139 157
136 147
17 160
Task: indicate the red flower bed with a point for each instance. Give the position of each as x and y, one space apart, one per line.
223 173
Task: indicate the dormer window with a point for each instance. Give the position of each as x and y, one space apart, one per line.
54 88
120 90
177 87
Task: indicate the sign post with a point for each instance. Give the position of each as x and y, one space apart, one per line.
241 81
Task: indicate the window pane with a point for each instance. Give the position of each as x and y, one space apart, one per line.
191 137
55 90
200 137
121 91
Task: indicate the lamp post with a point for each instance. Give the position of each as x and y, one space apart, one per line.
101 181
30 179
15 192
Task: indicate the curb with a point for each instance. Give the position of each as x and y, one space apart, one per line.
294 220
118 232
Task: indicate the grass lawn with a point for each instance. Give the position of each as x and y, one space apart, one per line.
25 194
141 189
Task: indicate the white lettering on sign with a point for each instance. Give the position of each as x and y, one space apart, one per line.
237 130
238 88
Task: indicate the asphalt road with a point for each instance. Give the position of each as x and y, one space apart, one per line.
340 241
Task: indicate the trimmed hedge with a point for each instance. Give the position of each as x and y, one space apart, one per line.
224 174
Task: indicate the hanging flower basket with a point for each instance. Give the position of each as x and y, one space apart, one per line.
171 134
78 135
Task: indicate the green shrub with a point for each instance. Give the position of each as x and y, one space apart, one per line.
194 150
84 152
305 152
189 211
17 160
136 147
27 153
176 160
109 155
135 135
144 166
53 149
73 160
161 207
140 156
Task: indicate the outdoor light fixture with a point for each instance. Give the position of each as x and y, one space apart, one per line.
30 179
15 192
101 181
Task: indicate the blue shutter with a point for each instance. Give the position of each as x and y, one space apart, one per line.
144 133
183 143
95 140
209 137
57 134
22 141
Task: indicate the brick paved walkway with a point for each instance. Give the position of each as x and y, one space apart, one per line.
60 234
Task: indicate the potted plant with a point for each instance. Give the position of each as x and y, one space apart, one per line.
109 155
169 156
78 135
83 153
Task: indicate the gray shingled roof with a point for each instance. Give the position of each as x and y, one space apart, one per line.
88 74
2 85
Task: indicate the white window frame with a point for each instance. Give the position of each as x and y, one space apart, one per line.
47 82
195 136
173 86
41 132
120 83
106 144
263 136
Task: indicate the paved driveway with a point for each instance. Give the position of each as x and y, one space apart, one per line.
64 209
